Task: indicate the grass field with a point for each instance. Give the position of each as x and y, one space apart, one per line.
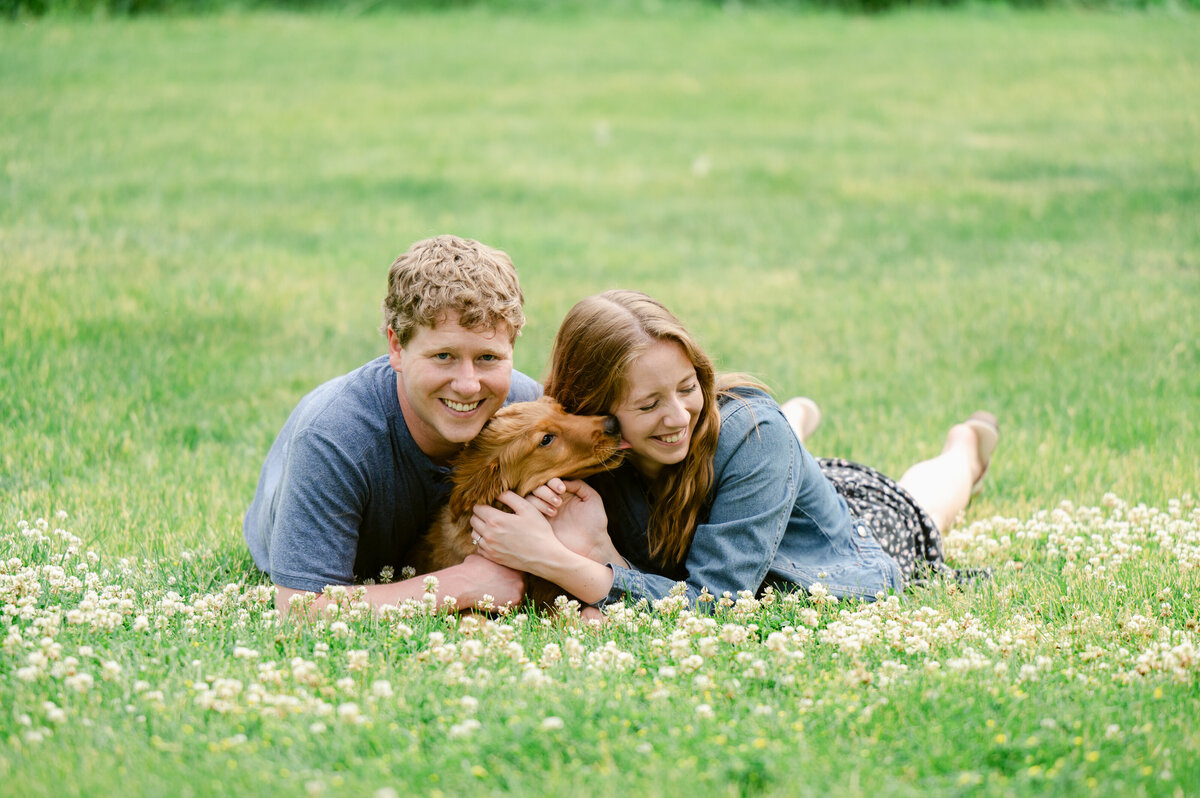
907 217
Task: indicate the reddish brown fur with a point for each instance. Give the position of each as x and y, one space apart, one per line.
508 455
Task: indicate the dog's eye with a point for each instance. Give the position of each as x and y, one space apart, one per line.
547 439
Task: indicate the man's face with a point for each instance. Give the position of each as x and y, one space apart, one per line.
451 381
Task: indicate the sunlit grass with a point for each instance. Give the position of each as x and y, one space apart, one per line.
1072 669
907 217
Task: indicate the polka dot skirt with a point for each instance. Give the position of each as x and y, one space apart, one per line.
903 529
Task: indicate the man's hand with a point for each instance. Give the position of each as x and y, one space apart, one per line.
482 577
468 582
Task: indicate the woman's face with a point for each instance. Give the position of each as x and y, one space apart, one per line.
662 402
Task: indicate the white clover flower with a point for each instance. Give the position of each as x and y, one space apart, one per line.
80 682
552 723
551 653
735 634
357 660
466 728
534 677
704 711
472 650
54 713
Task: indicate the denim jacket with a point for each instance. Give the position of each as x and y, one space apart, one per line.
773 519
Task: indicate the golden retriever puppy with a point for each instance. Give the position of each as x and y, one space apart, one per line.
524 445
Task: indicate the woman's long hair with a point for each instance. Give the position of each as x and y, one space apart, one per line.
598 341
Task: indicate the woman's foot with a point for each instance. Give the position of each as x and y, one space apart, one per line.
987 434
803 414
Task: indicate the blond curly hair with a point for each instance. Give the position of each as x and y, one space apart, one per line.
448 273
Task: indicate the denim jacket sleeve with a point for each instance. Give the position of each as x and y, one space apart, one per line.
757 467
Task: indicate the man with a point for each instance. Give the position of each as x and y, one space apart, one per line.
359 469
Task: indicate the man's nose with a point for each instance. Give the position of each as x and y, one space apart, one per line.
466 380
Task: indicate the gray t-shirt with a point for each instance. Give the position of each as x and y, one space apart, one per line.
345 491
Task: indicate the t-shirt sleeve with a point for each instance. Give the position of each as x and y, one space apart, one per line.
522 389
752 503
322 494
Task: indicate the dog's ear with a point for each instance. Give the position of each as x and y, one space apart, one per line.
478 482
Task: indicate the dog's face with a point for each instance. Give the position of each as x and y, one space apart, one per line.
527 444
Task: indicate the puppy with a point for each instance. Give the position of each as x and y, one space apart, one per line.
524 445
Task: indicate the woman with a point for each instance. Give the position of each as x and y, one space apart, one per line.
716 489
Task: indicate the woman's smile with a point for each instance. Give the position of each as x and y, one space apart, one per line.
661 406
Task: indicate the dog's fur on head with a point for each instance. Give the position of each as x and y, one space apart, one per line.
524 445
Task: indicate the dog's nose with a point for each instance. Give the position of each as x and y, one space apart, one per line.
611 426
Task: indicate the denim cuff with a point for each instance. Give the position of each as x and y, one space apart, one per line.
625 582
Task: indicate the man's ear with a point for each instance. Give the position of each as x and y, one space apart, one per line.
395 350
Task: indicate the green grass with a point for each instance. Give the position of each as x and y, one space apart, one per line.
906 217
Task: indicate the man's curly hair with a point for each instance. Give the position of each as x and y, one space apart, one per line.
448 273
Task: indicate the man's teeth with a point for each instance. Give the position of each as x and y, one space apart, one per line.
676 438
460 406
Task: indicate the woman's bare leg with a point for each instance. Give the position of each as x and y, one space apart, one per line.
943 485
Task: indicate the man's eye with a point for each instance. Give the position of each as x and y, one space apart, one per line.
442 356
547 439
488 358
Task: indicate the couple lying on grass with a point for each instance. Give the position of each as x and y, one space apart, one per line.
716 489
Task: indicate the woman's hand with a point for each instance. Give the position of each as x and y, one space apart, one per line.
549 497
581 523
522 539
572 553
576 513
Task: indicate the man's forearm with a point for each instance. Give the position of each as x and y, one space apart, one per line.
468 583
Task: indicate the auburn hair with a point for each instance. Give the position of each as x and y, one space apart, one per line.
598 341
